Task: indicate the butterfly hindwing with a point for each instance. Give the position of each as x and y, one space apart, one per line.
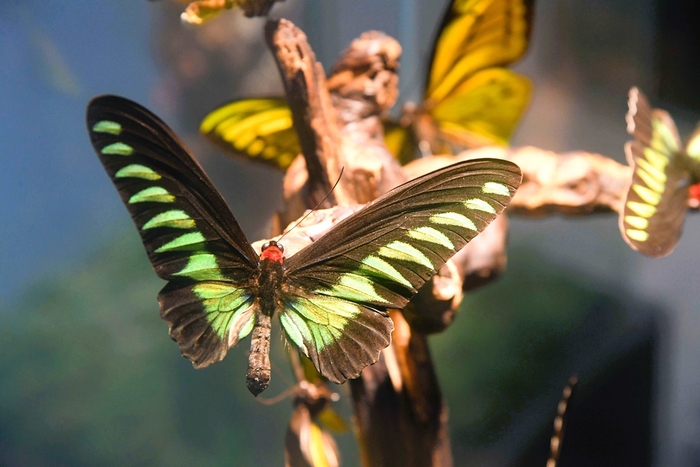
339 288
260 129
655 206
190 235
483 109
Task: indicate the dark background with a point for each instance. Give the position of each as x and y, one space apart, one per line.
89 374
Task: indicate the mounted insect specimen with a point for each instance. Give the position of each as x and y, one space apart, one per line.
331 297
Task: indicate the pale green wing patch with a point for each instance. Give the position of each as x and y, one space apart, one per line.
339 336
654 209
207 318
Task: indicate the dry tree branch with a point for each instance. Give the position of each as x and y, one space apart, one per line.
400 415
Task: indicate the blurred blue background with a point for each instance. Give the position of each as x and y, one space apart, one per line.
90 376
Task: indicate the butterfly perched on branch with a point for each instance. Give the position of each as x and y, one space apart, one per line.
332 297
470 98
664 180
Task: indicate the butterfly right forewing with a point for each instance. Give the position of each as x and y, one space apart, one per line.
340 287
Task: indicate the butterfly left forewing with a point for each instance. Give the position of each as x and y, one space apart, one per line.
191 238
338 289
654 209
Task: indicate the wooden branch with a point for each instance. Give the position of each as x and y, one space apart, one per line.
338 122
413 430
314 116
398 405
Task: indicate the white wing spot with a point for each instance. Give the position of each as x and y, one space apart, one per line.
429 234
406 252
495 188
479 205
453 218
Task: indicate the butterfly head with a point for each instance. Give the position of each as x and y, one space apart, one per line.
272 251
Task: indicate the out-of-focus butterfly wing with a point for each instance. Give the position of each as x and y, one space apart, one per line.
259 129
656 203
484 109
472 100
475 35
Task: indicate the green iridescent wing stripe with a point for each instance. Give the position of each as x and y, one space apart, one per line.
655 206
339 288
259 129
189 233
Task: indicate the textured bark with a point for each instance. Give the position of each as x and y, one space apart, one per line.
400 415
338 121
399 410
314 116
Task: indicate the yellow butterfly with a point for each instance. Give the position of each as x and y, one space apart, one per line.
471 100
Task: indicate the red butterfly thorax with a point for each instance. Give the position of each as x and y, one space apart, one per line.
272 252
694 196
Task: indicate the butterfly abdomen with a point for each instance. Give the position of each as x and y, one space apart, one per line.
269 286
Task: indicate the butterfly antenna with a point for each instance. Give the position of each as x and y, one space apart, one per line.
317 206
559 421
278 398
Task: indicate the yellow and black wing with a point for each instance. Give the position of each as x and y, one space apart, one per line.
471 98
259 129
652 216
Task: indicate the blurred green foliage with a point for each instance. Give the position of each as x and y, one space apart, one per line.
90 376
515 340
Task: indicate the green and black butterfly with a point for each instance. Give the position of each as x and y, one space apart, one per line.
332 296
663 180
